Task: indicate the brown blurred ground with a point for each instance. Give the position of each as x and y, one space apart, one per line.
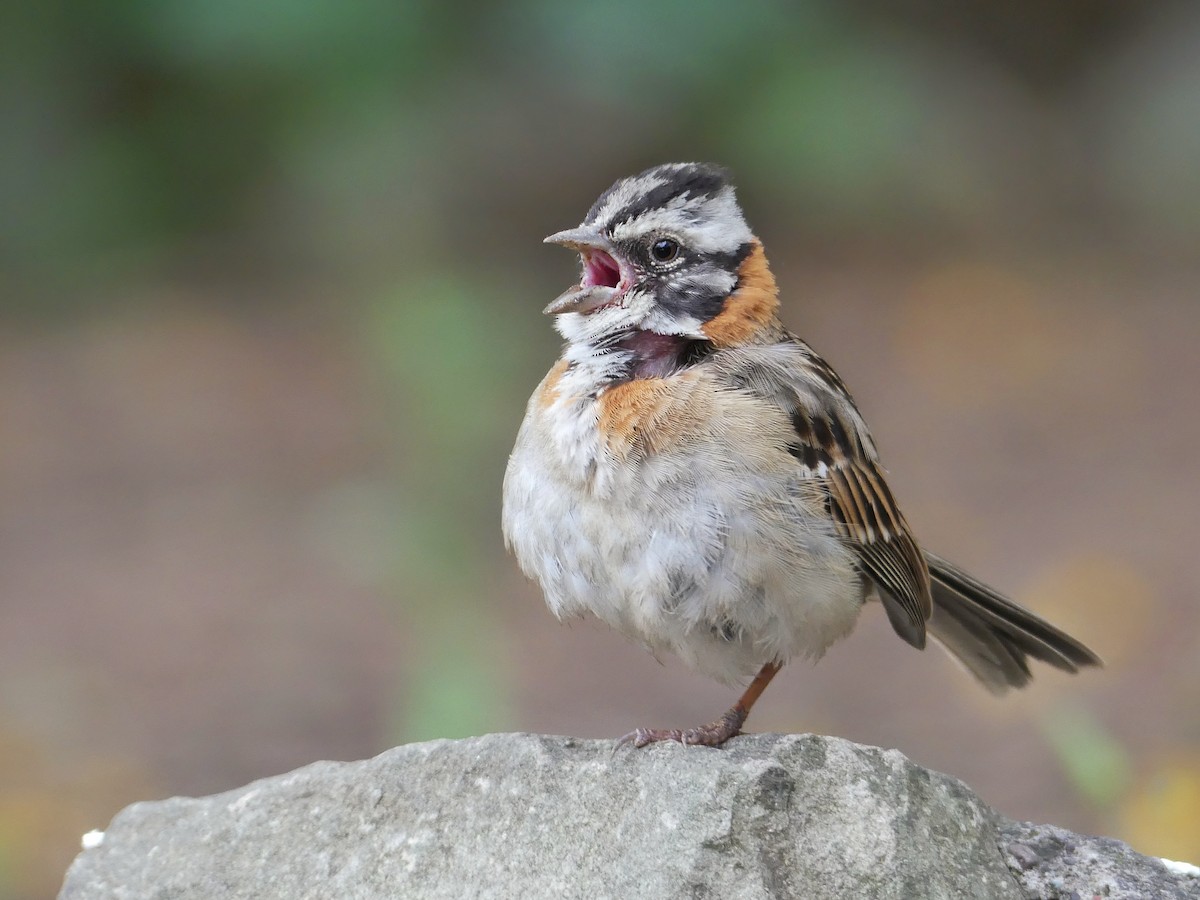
250 454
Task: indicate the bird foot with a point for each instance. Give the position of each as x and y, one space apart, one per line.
714 734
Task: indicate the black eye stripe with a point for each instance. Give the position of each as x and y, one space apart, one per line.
679 292
731 262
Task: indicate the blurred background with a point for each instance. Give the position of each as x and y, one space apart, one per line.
270 282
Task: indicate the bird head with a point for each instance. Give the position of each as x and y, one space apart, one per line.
666 252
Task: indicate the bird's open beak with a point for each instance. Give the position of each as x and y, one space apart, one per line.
585 237
602 279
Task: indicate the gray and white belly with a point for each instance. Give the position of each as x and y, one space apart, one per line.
718 551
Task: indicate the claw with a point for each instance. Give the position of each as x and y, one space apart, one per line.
640 737
714 734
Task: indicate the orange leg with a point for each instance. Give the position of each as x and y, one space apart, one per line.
715 733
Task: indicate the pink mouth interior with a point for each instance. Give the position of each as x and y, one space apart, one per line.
600 270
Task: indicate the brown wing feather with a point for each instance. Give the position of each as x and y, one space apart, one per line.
864 508
833 444
992 636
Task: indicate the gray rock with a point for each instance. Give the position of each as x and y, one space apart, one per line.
1055 863
525 816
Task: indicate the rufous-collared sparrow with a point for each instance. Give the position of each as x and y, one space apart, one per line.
701 480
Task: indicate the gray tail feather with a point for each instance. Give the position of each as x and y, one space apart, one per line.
991 635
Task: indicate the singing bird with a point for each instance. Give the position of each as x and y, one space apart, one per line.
697 477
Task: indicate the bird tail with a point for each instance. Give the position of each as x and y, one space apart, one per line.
991 635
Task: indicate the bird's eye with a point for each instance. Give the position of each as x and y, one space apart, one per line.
664 250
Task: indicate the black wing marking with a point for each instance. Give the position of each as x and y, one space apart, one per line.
862 505
833 445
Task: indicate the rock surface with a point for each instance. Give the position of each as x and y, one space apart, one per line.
513 815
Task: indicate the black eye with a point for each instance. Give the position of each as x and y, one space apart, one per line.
664 250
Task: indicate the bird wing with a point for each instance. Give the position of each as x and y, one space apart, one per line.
834 447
